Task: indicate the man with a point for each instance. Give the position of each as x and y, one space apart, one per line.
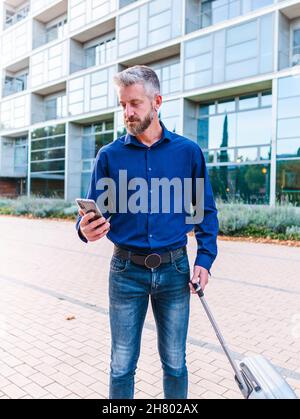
150 256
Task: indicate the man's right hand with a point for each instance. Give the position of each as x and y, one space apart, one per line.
95 230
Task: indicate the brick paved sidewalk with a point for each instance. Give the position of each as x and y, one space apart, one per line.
47 274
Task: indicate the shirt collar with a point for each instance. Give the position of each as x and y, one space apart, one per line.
166 135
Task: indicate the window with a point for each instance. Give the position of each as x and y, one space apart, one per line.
55 107
55 31
238 122
101 53
168 73
249 183
20 158
48 161
203 13
94 138
296 47
124 3
288 181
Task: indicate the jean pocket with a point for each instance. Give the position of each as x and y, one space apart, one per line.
182 265
118 265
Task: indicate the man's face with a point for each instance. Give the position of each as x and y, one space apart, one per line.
138 109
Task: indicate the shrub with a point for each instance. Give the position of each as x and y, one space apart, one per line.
281 222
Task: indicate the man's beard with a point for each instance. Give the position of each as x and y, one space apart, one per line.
140 126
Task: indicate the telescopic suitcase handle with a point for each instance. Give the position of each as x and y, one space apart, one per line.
238 375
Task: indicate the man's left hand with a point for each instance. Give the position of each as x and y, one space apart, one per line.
200 276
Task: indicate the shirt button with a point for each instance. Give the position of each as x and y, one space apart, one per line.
149 169
150 235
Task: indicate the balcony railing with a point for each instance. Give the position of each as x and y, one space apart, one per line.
289 57
14 86
17 17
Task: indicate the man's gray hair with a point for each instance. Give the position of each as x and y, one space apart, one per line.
139 74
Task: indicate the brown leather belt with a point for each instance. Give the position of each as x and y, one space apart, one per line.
151 261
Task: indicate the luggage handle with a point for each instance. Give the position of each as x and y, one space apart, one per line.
238 374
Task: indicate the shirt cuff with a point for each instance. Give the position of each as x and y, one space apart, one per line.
81 236
205 261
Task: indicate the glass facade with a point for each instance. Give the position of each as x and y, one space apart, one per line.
234 53
48 161
150 24
203 13
288 140
245 183
94 137
235 135
169 75
218 79
21 155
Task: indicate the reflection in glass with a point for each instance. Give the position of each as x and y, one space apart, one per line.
94 137
48 161
226 106
248 102
289 86
288 181
243 128
288 148
265 153
247 183
289 107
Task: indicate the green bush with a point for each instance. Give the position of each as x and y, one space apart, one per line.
235 219
281 222
38 207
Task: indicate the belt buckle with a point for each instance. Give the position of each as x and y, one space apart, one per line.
153 261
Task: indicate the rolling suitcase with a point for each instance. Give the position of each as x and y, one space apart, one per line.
255 376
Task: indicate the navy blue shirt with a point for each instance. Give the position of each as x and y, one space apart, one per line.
173 156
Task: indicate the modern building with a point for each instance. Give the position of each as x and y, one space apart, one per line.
230 75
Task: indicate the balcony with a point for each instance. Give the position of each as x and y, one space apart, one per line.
15 11
15 83
46 32
95 52
49 107
289 39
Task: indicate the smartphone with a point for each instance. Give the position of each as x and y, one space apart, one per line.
89 205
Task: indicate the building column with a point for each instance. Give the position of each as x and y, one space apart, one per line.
274 143
274 113
29 164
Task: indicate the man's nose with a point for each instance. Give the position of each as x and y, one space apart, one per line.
129 111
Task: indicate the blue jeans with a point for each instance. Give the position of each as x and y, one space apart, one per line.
130 286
